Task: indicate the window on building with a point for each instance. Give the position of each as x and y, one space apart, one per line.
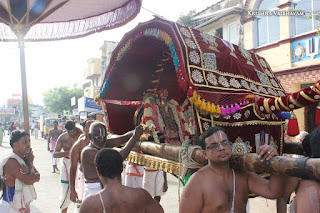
268 25
232 33
306 23
219 33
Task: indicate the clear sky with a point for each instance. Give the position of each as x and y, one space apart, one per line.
58 63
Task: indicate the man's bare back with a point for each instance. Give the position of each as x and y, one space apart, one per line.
115 197
123 199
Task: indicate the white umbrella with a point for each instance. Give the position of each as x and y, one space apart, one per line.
40 20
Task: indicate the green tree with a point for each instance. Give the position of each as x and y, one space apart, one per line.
58 99
186 19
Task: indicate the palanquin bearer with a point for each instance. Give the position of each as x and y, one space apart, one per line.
98 140
18 175
76 175
65 142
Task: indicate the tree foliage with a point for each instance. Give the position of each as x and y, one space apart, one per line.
58 99
186 19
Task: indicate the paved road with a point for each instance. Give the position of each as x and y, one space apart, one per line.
48 189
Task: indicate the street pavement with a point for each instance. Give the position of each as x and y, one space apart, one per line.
48 189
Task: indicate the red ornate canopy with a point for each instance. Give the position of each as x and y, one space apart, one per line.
163 54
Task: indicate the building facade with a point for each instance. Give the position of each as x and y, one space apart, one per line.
286 35
223 20
284 32
96 68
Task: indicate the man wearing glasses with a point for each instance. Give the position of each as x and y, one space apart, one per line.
218 188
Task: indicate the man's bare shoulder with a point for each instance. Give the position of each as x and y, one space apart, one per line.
88 150
11 166
198 178
308 185
12 162
64 136
90 204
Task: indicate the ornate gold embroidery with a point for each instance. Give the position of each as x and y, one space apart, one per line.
266 105
307 97
295 102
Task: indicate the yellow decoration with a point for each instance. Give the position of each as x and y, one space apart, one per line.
198 102
214 109
208 107
218 110
194 97
203 105
249 98
97 100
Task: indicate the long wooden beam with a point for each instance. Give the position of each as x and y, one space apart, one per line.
293 148
306 168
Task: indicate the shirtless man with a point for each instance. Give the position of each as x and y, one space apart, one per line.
218 188
307 197
19 175
52 140
98 140
115 197
65 142
77 186
112 140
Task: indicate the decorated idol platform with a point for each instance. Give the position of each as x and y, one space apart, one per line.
179 81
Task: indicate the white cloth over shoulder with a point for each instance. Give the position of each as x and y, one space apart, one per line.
153 181
23 194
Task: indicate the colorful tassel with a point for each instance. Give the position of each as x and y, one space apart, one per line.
190 92
228 112
213 109
293 127
238 107
198 102
232 109
218 110
223 110
203 105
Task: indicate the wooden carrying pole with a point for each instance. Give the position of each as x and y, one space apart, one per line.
306 168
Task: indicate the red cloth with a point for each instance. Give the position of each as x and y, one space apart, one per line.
293 127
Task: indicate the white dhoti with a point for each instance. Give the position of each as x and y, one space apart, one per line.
65 178
134 175
52 146
91 188
54 161
153 181
79 185
123 173
6 207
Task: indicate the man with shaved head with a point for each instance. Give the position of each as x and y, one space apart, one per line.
98 140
